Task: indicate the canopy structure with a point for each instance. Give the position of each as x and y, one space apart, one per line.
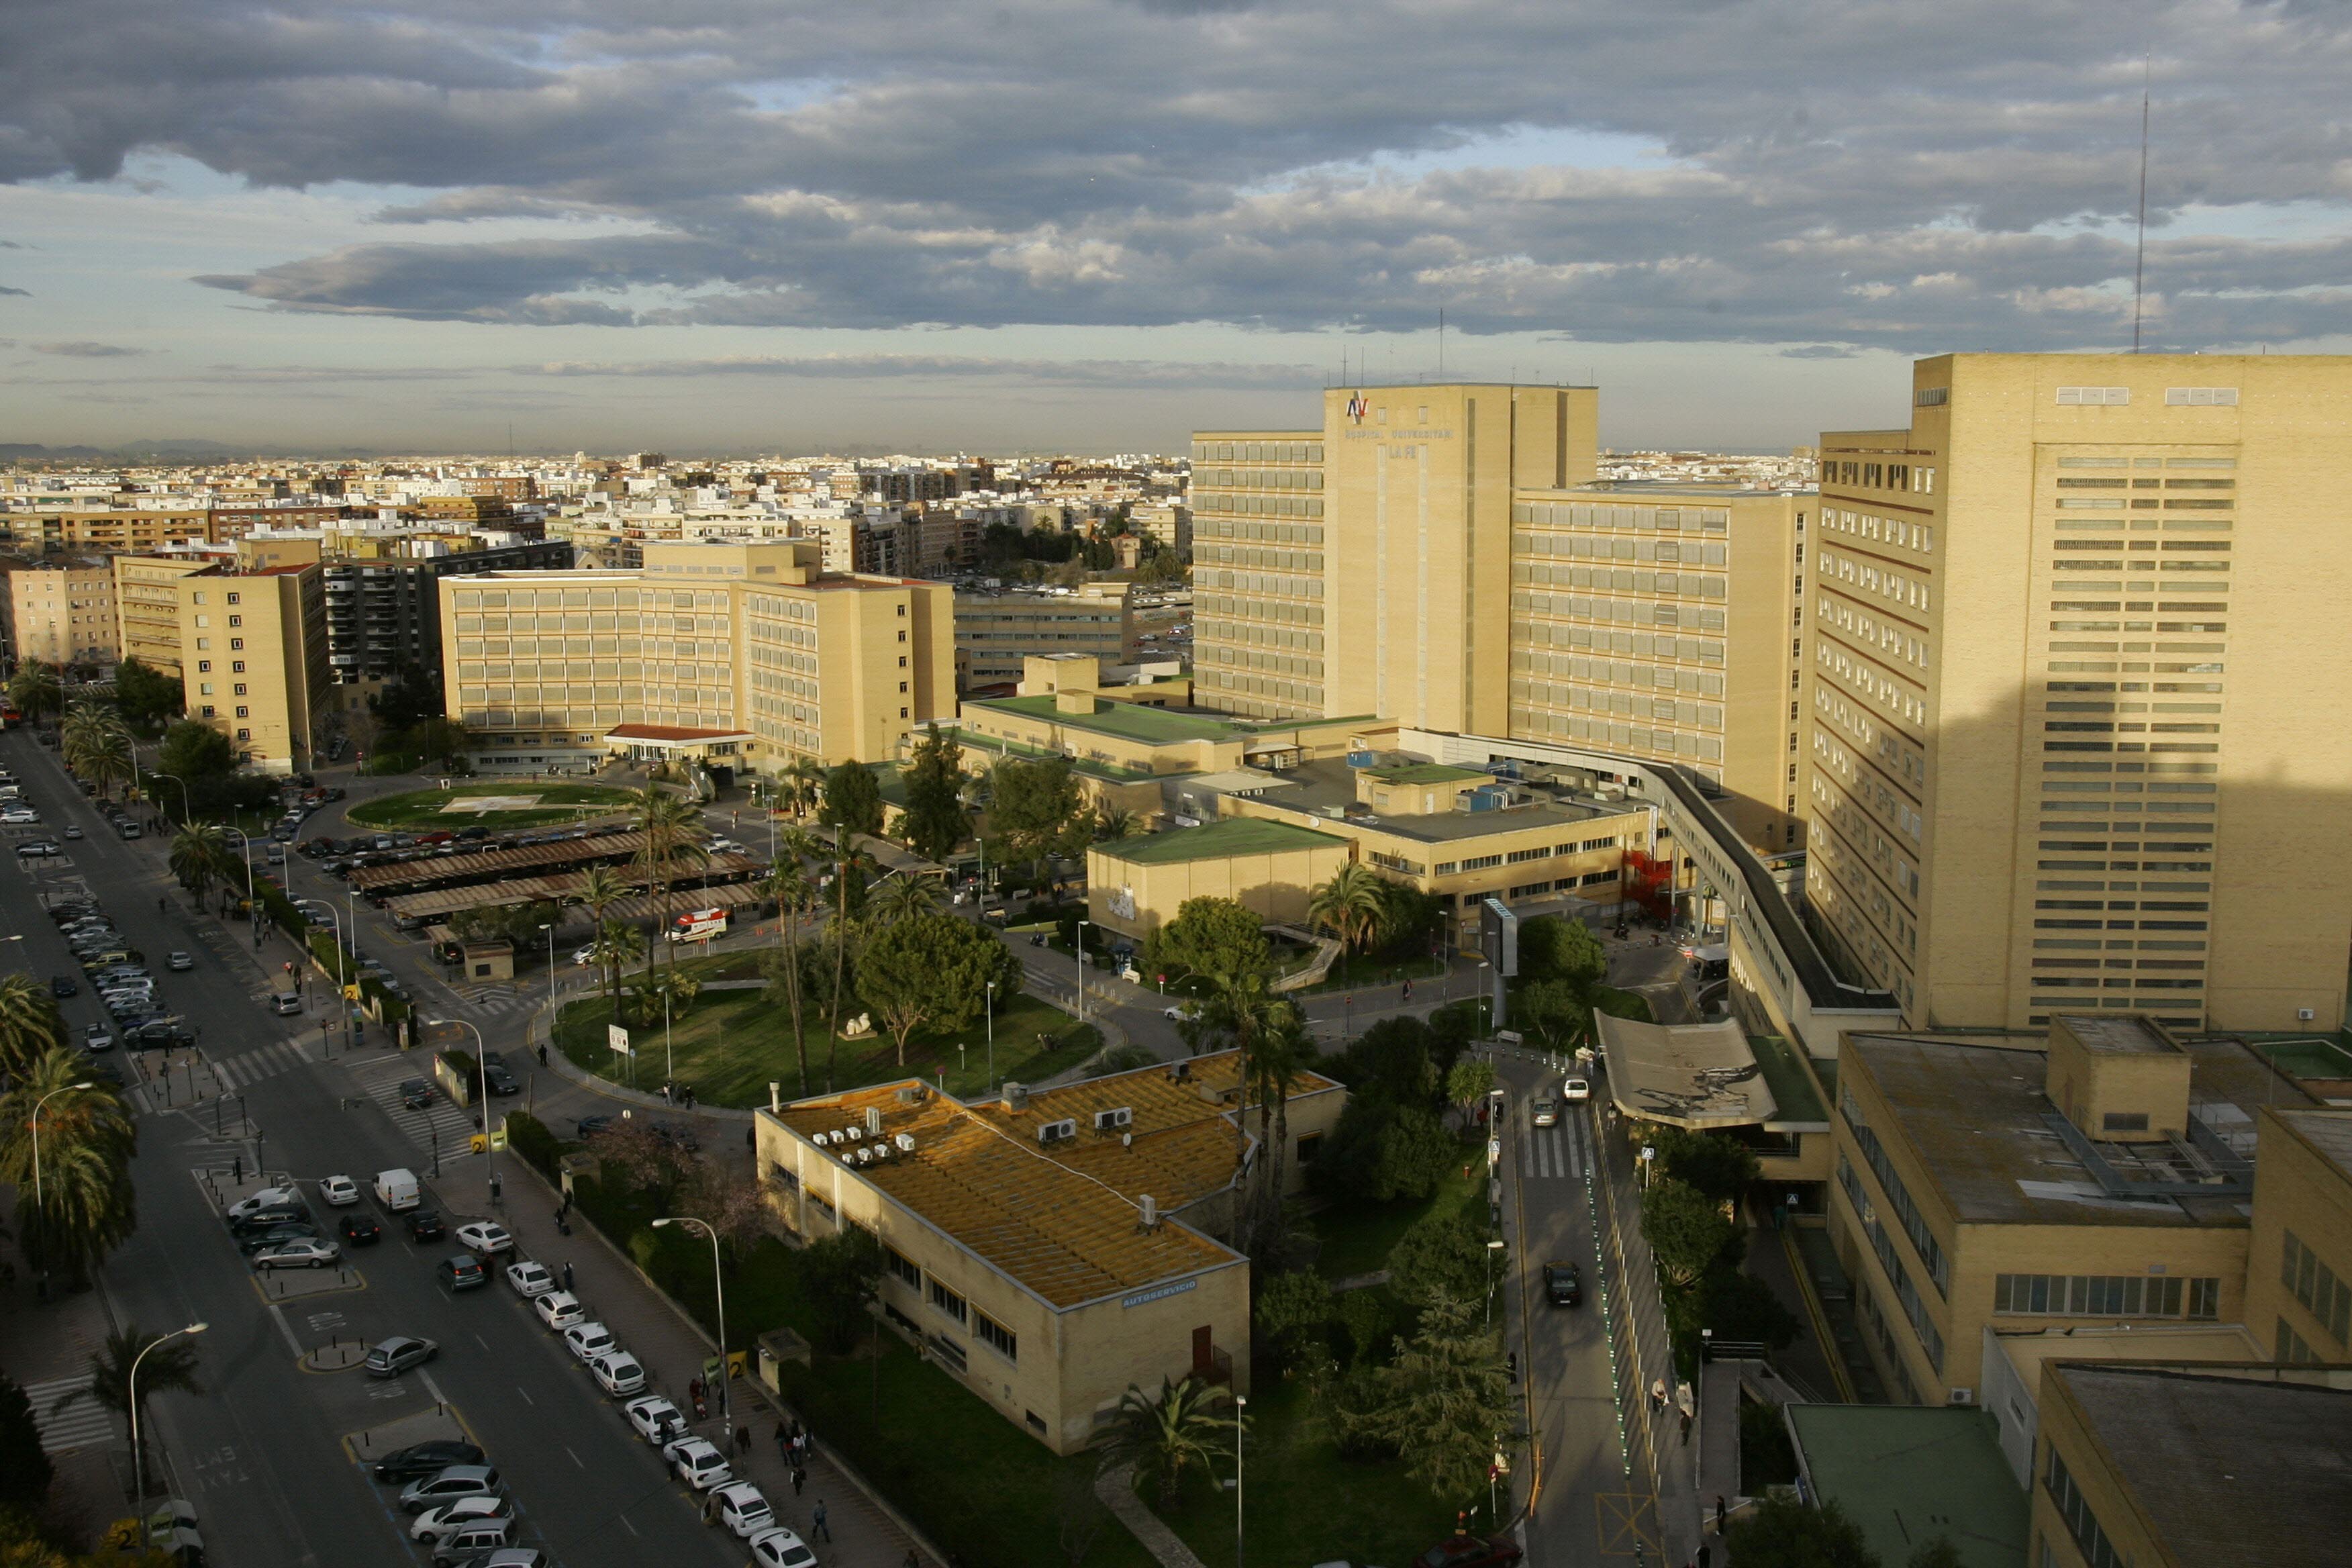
1698 1075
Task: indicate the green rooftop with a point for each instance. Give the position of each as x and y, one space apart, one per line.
1128 720
1219 840
1908 1473
1427 773
1785 1076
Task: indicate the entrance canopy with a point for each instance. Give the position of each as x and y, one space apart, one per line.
1696 1076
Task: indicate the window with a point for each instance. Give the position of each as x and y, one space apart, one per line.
1898 1197
2093 396
2097 1550
902 1267
2317 1287
240 686
243 712
948 1302
996 1336
236 643
204 666
235 620
236 598
1914 1305
2106 1296
2123 1121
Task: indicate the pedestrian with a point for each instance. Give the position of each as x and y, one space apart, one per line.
1658 1394
542 1053
1513 1360
799 1479
743 1438
567 1277
783 1443
240 1168
1705 1551
1719 1513
1408 990
565 1207
1686 1426
816 1521
494 1186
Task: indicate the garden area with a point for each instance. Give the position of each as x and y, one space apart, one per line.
507 804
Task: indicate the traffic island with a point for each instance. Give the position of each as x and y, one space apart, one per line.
278 1285
442 1422
337 1356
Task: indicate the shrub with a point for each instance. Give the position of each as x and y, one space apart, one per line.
528 1136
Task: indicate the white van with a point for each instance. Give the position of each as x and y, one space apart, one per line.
397 1191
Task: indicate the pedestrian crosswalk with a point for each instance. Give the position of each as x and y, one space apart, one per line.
80 1425
249 1067
439 1126
498 1000
1562 1150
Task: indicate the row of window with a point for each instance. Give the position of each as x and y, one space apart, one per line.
2317 1287
1898 1197
2107 1296
1915 1306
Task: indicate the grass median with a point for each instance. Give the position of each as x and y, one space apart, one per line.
550 804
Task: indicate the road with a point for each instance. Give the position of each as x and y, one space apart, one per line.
262 1453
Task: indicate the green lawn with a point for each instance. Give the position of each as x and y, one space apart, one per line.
733 1044
425 808
1357 1237
1303 1503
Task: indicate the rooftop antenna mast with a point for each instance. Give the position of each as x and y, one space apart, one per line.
1441 343
2139 256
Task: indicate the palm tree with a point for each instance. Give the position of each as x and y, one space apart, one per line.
788 884
81 1208
35 689
901 896
804 783
1351 903
601 888
30 1026
670 824
617 942
96 744
199 857
1263 1028
1165 1438
161 1368
847 857
1112 825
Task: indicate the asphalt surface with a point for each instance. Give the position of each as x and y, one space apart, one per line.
263 1452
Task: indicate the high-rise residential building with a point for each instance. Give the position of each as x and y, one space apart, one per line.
2077 692
147 604
1259 587
252 656
749 654
997 631
63 613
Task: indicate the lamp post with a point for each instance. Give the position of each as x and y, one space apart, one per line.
991 1036
1082 970
1492 1248
718 1282
137 1467
187 812
549 926
481 1061
252 910
1240 1413
40 1203
343 979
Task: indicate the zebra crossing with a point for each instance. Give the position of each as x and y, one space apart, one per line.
80 1424
249 1067
1564 1150
439 1125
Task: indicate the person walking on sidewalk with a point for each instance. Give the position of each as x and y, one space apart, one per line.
567 1275
816 1522
1658 1394
799 1479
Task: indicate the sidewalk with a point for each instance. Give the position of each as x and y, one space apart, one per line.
1676 1461
866 1534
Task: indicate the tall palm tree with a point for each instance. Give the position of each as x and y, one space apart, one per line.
35 689
81 1208
601 888
96 743
846 858
1351 903
1263 1028
901 896
30 1026
199 857
788 884
1180 1430
1112 825
804 785
617 942
671 823
161 1368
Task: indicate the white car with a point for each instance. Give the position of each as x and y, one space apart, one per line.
19 816
558 1309
440 1524
339 1190
619 1373
1575 1088
727 846
529 1278
266 1198
698 1464
780 1548
656 1420
1544 1111
302 1252
739 1506
585 955
589 1340
485 1237
1183 1014
178 962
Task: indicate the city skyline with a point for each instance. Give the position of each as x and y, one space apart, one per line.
1114 224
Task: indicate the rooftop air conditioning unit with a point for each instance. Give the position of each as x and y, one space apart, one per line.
1016 1096
1963 1396
1105 1120
1055 1132
874 1121
1150 1208
909 1094
852 1133
905 1142
2305 1013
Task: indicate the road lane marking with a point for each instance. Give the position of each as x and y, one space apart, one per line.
626 1525
575 1458
527 1399
277 1316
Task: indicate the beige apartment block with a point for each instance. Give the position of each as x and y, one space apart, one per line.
2299 1270
2078 692
63 614
1049 1249
252 659
1656 621
147 602
749 653
1259 587
996 632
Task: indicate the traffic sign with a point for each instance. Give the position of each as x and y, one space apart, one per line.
618 1039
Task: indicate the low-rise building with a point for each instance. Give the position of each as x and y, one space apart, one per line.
1050 1249
997 631
62 613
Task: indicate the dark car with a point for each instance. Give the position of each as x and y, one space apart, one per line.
589 1126
1471 1551
63 985
1563 1285
361 1229
423 1459
158 1034
416 1094
677 1135
423 1224
270 1219
463 1271
501 1082
293 1230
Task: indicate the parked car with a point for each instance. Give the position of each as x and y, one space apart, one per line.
303 1252
421 1459
63 985
589 1126
589 1340
529 1278
340 1191
559 1309
397 1355
270 1219
619 1373
1471 1551
696 1463
486 1237
439 1522
358 1229
1563 1284
178 962
423 1224
739 1506
448 1485
656 1420
780 1548
463 1271
277 1235
474 1544
268 1197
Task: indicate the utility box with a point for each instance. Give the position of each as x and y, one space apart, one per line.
459 1076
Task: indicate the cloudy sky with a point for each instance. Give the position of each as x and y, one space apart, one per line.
784 225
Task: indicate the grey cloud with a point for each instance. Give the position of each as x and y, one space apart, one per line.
24 294
84 349
1127 374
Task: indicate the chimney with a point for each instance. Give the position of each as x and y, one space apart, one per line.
874 1121
1016 1098
1151 1212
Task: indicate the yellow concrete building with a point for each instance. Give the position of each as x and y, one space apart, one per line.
1051 1249
2106 1179
2299 1279
147 602
748 654
252 656
1260 597
2074 643
64 613
996 632
1136 885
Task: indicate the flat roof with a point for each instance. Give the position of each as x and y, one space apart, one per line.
1977 1118
1792 1086
2228 1470
2120 1035
1689 1075
2029 1350
1908 1473
1226 836
2329 1133
1127 720
1315 788
672 734
1425 773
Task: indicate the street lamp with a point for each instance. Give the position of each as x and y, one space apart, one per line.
137 1467
1240 1413
482 1061
991 1036
718 1281
39 1205
252 909
187 812
549 926
342 980
1082 970
1492 1248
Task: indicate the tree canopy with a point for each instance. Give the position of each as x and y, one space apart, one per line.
851 800
1217 937
1551 948
1778 1532
932 970
935 822
144 693
1036 808
193 750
